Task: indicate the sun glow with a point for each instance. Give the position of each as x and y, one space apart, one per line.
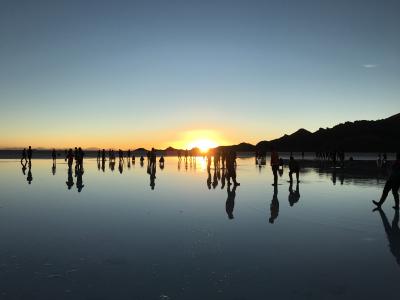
203 144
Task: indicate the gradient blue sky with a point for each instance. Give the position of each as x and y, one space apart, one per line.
117 73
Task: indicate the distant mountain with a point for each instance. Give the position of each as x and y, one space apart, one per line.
359 136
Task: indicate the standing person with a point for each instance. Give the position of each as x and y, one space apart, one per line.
98 155
24 156
392 184
293 168
103 155
274 164
70 158
54 155
230 166
29 153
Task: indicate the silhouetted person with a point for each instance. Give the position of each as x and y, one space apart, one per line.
274 206
161 160
54 155
294 196
133 158
23 156
120 155
230 201
129 154
103 155
70 179
29 153
392 184
141 160
103 165
392 233
223 178
98 155
293 168
29 178
275 164
70 158
230 167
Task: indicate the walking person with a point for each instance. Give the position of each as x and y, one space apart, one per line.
274 164
392 184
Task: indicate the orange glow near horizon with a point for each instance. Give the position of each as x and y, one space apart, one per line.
203 144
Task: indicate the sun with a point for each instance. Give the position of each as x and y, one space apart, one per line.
203 144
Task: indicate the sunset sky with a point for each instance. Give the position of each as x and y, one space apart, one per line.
143 73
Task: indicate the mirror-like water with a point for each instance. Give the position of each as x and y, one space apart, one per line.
110 235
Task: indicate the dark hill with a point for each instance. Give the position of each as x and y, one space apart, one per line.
359 136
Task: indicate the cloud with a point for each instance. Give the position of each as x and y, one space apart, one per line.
369 66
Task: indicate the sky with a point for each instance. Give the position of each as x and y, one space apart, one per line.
159 73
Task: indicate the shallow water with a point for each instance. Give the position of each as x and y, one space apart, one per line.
119 239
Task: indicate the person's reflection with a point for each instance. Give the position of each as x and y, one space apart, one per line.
98 163
53 168
215 179
294 196
334 177
208 178
103 165
151 170
23 167
230 201
70 180
392 233
274 207
223 178
179 164
111 165
129 163
29 178
79 180
121 166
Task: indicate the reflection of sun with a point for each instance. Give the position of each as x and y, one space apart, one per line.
203 144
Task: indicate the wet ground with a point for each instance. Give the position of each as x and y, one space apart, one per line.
180 234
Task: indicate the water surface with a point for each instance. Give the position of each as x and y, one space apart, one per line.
188 238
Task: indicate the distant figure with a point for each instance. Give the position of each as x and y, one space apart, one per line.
393 184
29 178
133 158
274 206
70 158
275 164
54 155
23 156
29 152
129 154
161 160
141 160
103 155
230 167
230 201
98 155
293 168
392 233
120 155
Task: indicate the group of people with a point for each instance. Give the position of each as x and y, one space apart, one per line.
226 161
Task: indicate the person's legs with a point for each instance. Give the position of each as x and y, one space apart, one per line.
297 175
275 172
395 192
290 176
385 192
